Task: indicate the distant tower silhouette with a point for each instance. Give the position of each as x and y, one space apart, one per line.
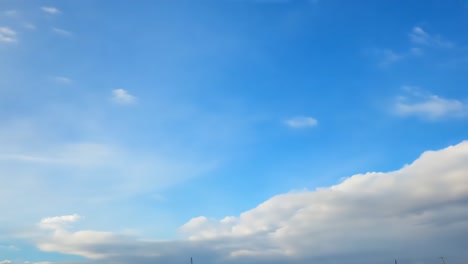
443 261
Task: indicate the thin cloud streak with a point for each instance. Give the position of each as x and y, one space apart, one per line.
50 10
62 80
421 37
301 122
7 35
419 103
62 32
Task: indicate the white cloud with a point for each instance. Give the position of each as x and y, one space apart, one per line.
120 96
422 104
7 35
373 216
5 261
58 222
421 37
50 9
62 32
301 122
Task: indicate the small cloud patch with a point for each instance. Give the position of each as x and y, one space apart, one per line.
420 37
50 10
62 32
121 96
61 80
301 122
7 35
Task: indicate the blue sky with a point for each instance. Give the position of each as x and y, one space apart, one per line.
149 123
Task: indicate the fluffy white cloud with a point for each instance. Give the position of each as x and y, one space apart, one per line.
301 122
421 37
5 261
51 10
418 210
422 104
7 35
120 96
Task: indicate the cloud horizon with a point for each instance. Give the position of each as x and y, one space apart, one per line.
418 207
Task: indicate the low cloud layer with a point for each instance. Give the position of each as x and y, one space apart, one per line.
418 213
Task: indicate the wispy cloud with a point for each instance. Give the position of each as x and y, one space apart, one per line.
389 56
416 102
29 26
7 35
62 32
51 10
301 122
420 37
9 248
120 96
10 13
61 80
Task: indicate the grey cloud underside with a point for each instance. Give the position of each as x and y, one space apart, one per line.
416 213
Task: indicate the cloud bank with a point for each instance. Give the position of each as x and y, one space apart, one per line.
416 212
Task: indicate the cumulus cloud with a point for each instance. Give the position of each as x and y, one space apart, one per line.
418 210
50 10
120 96
7 35
425 105
420 37
301 122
